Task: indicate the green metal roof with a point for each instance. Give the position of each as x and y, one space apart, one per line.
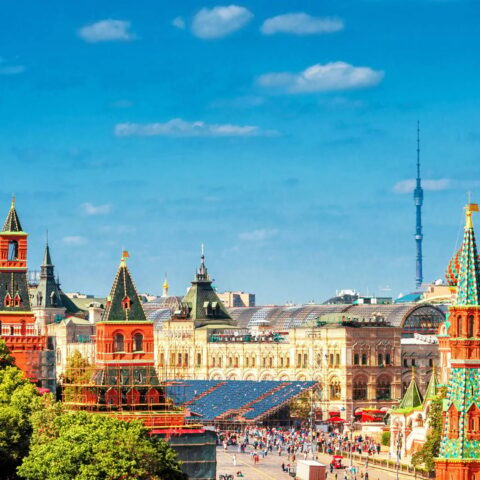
433 387
12 222
412 398
123 287
204 306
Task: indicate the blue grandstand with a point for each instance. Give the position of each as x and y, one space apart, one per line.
235 400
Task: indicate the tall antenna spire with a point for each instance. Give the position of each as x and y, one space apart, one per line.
418 198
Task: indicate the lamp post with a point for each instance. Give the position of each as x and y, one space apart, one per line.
399 450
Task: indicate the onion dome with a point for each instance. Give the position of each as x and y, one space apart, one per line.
453 269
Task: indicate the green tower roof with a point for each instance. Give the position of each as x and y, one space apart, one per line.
124 304
412 398
469 279
202 302
432 388
12 222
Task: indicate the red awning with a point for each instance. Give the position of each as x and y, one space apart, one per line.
43 391
336 420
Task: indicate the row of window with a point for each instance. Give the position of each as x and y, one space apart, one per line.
413 362
119 343
362 359
179 359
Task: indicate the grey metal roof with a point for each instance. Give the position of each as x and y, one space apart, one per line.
281 317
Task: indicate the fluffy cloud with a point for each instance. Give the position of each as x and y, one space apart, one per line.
106 31
301 24
181 128
11 69
74 240
258 235
90 209
322 78
220 21
8 69
408 186
178 22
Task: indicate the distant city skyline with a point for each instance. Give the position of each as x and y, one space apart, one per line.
282 136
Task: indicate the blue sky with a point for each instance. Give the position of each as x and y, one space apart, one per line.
280 134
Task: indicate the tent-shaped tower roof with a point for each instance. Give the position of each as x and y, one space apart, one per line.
413 397
124 303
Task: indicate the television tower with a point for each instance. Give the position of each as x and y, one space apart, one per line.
418 198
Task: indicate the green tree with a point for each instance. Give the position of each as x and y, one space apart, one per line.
18 399
78 373
6 358
431 447
85 446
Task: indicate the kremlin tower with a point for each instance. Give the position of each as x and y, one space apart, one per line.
123 381
18 327
459 457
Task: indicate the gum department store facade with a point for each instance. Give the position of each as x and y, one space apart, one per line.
361 355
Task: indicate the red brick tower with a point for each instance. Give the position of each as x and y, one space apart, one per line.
16 317
123 382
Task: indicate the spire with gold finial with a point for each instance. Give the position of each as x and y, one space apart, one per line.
469 277
12 222
165 286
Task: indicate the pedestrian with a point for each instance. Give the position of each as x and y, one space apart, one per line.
234 460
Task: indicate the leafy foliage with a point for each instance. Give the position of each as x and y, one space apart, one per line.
84 446
431 447
385 439
18 400
6 358
78 372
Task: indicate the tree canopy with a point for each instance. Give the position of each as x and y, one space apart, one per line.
85 446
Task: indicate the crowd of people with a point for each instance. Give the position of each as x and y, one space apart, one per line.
294 444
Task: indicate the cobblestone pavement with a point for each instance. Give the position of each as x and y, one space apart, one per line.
270 467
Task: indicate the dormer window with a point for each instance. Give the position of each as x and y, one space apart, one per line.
17 300
7 300
126 303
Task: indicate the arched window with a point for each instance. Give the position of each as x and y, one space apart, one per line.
380 360
138 342
12 250
356 359
360 391
335 389
118 343
17 300
453 417
470 332
126 303
384 389
364 359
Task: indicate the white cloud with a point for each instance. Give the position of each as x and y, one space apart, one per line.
322 78
179 22
74 240
122 103
8 69
408 186
90 209
258 235
106 31
11 69
301 24
181 128
220 21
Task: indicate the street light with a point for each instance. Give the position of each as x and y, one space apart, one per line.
399 450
